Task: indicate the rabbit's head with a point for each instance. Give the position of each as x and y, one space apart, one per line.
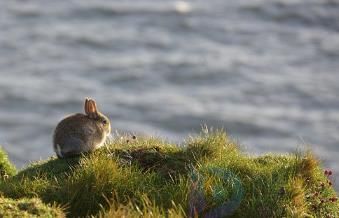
101 120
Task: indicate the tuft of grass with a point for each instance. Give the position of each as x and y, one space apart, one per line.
148 209
28 208
296 207
207 176
6 168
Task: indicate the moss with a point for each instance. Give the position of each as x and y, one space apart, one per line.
27 208
6 168
207 176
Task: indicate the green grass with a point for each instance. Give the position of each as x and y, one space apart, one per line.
6 168
207 176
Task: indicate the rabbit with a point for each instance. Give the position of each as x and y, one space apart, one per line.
81 133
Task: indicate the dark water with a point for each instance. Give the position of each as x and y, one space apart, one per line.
266 71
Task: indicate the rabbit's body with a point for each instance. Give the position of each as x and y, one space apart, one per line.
80 133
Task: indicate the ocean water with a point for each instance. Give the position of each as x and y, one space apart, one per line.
266 71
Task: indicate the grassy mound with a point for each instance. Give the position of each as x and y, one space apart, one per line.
208 176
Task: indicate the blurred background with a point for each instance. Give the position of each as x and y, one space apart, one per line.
265 70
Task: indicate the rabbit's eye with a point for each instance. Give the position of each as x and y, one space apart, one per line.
104 122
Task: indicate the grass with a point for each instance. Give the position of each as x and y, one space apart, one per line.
208 176
6 168
28 208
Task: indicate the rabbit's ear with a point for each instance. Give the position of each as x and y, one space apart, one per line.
86 106
92 109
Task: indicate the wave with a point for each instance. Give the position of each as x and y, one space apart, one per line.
323 15
135 8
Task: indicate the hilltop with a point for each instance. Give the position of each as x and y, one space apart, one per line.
207 176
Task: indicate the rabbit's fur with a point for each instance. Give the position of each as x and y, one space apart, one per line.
80 133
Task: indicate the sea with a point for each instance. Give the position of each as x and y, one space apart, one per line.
266 71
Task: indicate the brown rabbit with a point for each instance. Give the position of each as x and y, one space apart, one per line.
79 133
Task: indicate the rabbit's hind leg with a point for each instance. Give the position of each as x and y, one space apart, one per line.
72 147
